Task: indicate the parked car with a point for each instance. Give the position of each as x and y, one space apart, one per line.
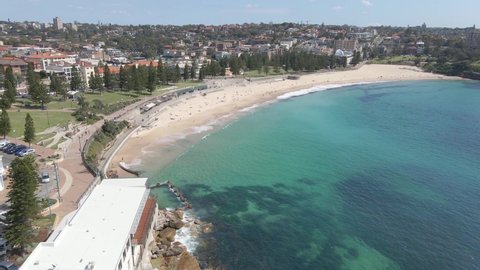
8 146
3 143
16 148
25 152
19 149
45 177
11 149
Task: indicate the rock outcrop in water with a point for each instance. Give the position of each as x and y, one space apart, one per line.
169 254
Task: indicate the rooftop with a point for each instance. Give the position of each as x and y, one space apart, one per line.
98 232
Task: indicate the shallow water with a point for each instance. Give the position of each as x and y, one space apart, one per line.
382 176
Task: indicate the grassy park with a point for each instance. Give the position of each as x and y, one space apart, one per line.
255 73
42 120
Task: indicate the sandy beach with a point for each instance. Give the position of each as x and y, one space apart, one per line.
187 114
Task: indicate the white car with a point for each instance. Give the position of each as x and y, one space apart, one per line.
45 177
3 143
27 152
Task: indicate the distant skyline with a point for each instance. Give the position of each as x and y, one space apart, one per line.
439 13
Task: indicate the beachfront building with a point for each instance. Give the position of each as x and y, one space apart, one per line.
110 230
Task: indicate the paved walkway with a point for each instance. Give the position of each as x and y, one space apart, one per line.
72 164
68 181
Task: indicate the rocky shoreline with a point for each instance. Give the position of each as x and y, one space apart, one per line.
167 252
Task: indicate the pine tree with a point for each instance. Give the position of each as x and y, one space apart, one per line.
4 103
76 81
9 76
176 74
10 83
142 78
57 86
92 83
186 71
123 78
5 126
193 76
39 93
29 133
132 78
10 93
98 80
163 75
107 77
31 75
23 202
152 78
160 71
201 75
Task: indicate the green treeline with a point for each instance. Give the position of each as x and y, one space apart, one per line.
107 133
295 61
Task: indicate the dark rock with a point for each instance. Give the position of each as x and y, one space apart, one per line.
176 224
188 262
175 250
168 234
179 213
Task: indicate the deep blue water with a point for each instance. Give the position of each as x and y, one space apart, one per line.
381 176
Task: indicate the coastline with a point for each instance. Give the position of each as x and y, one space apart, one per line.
194 114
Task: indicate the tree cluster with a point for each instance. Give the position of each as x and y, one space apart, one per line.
24 204
36 89
10 85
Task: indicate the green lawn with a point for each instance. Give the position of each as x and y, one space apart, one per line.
60 104
42 137
185 84
106 98
255 73
44 222
40 119
397 59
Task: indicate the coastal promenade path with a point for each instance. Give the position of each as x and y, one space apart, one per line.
72 163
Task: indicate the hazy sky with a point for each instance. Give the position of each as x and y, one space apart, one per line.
459 13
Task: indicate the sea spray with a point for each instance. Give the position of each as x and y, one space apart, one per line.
188 234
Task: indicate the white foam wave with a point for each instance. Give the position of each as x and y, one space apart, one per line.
187 235
201 129
317 89
247 109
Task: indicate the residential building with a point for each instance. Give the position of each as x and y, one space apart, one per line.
61 68
41 60
109 231
346 45
86 70
18 65
57 23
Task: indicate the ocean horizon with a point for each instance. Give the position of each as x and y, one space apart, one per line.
365 176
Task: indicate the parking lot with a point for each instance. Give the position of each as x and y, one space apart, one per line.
43 188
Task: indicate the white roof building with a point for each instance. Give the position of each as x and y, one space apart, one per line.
102 233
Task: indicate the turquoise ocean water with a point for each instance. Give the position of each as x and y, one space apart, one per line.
380 176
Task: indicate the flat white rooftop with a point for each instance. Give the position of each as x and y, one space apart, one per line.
99 230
